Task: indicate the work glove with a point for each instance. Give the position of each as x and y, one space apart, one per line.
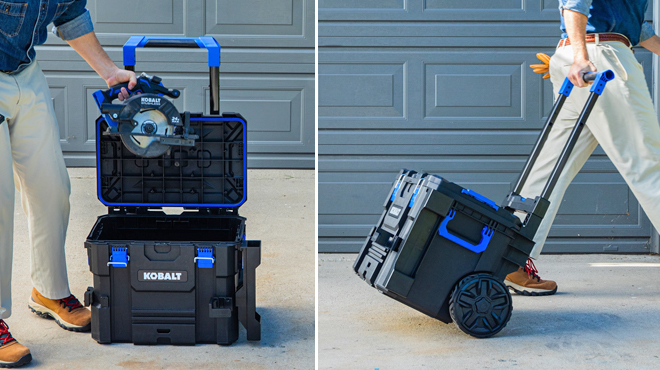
542 68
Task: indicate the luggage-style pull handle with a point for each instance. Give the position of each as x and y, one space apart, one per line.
486 235
204 42
513 201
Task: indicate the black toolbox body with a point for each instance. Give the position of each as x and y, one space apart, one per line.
174 278
406 258
445 250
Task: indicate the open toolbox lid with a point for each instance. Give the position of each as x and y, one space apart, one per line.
211 174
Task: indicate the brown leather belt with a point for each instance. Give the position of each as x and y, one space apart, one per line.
592 37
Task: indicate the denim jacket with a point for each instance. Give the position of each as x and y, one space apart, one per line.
23 26
619 16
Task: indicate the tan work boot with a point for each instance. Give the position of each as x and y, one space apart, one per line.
526 281
67 312
12 353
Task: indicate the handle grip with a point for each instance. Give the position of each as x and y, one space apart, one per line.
205 42
486 235
113 92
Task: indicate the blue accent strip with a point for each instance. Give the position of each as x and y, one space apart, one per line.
486 235
480 198
205 258
98 173
396 189
204 42
412 200
119 257
601 80
566 88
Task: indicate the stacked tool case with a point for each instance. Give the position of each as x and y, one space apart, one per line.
445 250
174 279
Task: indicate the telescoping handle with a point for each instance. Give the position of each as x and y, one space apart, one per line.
205 42
599 79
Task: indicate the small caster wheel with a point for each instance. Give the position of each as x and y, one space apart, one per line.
480 305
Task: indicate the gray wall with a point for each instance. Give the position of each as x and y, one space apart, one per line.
267 70
394 94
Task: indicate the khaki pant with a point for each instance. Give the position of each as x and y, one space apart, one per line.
31 160
623 122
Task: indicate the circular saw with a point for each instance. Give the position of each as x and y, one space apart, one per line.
147 122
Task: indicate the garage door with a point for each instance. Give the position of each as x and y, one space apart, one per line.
444 87
267 71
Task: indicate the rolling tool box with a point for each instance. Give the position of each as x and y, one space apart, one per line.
162 278
445 250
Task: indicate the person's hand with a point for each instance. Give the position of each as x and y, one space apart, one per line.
578 69
121 75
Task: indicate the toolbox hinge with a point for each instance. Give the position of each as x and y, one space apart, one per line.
204 258
119 257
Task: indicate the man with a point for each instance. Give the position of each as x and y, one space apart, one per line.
31 158
599 35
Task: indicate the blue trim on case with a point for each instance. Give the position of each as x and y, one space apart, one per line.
98 172
480 198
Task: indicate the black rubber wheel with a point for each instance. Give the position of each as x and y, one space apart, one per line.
480 305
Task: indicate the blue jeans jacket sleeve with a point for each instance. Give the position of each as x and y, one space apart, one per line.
580 6
74 22
647 32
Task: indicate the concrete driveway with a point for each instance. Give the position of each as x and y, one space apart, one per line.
606 315
280 212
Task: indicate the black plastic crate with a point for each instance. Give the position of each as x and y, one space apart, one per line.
172 279
433 234
210 174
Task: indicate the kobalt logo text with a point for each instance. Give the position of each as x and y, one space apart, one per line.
150 101
150 275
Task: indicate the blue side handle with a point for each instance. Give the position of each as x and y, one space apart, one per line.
480 198
204 42
486 235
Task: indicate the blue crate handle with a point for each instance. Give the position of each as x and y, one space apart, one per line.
204 42
486 235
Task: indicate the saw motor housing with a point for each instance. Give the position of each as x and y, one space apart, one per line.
147 122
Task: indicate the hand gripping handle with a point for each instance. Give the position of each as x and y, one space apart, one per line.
486 235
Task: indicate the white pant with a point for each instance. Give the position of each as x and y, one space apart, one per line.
29 138
623 122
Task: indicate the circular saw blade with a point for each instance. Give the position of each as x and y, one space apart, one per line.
151 122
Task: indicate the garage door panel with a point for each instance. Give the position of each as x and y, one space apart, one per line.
438 10
369 90
264 23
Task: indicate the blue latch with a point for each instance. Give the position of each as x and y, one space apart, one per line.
396 189
119 257
204 258
412 200
480 198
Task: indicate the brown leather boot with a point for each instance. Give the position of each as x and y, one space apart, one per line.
67 312
526 281
12 353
